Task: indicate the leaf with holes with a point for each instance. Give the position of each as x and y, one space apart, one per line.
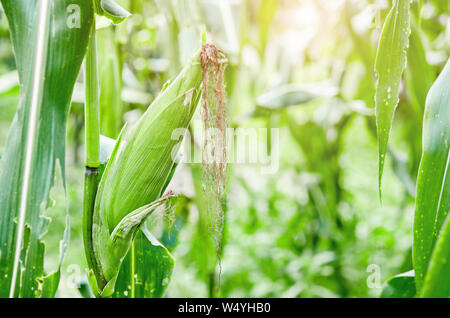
49 40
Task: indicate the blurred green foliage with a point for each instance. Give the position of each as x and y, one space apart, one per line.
315 228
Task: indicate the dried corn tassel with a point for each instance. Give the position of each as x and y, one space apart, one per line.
214 158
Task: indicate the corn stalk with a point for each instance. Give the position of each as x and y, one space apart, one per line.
36 141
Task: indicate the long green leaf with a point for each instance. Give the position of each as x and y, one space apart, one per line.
146 270
389 65
437 281
400 286
49 46
432 199
37 90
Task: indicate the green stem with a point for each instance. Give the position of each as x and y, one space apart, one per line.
92 115
90 191
92 139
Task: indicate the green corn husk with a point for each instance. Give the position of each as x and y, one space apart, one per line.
136 174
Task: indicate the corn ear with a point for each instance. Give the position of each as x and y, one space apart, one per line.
137 173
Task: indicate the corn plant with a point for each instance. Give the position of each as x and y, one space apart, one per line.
431 246
48 56
361 103
111 220
116 218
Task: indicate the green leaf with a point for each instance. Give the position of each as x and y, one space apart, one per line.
400 167
432 198
146 270
110 83
437 281
112 248
419 75
128 226
294 94
266 13
85 290
441 6
47 75
400 286
50 285
389 65
111 10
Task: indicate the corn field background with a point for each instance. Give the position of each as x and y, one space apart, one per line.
335 183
